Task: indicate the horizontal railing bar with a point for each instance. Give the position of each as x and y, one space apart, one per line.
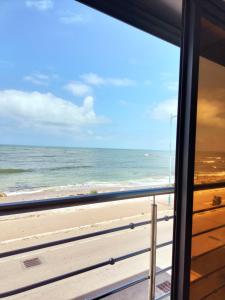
208 230
209 186
26 206
72 239
129 255
208 274
163 296
165 218
125 286
110 261
164 270
207 252
213 292
119 289
208 209
52 280
17 207
80 237
164 244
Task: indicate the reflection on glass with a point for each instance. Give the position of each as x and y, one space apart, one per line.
206 199
210 142
208 232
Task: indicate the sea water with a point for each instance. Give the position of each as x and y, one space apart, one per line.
29 168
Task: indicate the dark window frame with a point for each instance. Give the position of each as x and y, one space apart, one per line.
193 11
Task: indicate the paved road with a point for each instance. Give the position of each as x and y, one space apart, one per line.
49 225
67 258
34 228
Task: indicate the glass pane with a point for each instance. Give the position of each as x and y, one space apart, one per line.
88 105
208 240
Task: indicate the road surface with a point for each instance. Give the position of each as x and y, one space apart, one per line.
35 228
28 229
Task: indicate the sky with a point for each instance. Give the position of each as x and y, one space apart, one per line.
72 76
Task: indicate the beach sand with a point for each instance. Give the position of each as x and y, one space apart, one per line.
58 192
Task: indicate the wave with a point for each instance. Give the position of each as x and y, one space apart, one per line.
212 174
97 185
208 161
70 167
13 171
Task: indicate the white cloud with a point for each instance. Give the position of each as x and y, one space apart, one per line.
120 81
72 18
211 113
172 85
164 109
39 78
78 88
169 82
40 4
95 79
46 111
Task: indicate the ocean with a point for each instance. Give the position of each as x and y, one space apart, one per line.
29 168
209 167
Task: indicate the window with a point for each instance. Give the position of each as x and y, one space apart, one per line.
88 111
207 269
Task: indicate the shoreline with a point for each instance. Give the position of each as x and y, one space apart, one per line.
65 191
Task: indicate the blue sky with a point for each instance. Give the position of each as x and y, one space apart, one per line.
72 76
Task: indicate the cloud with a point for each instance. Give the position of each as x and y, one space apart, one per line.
72 18
169 82
211 95
211 107
39 78
46 112
172 85
164 109
41 5
211 113
120 81
95 79
210 124
78 88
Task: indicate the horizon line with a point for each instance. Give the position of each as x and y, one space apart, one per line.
82 147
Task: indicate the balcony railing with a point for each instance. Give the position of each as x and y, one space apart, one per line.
43 205
49 204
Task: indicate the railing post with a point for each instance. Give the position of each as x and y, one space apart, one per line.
153 249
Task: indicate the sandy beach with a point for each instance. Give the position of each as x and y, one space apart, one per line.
64 191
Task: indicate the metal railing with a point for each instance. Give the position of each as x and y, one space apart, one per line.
56 203
211 210
80 237
48 204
